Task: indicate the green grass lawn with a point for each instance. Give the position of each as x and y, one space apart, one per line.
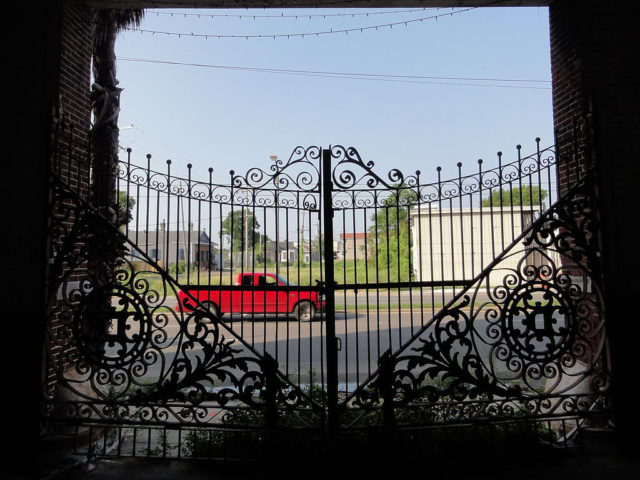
299 273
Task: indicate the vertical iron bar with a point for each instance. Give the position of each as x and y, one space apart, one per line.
471 242
398 233
221 239
418 228
539 168
386 388
481 264
178 230
147 228
388 260
513 231
322 255
431 269
127 192
451 240
493 240
409 265
210 249
377 252
460 195
270 369
331 341
231 213
441 233
501 191
199 258
355 280
187 246
366 280
301 242
168 225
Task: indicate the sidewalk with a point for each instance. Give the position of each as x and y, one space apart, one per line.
606 467
596 460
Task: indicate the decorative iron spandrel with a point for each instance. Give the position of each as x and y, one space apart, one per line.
121 350
521 337
534 345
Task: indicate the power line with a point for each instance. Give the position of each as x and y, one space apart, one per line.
432 80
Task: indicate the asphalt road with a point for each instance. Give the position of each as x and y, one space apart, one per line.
299 347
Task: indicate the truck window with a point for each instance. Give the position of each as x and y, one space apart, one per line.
265 280
247 280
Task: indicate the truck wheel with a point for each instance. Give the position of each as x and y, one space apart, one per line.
305 311
213 308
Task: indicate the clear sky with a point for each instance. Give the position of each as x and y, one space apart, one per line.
419 106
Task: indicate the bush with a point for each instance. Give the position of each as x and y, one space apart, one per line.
178 268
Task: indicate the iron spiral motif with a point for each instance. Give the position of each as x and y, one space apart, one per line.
533 347
350 171
120 352
300 173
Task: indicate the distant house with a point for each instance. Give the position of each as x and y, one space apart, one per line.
458 244
168 247
352 246
291 252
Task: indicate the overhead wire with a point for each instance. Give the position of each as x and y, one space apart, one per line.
420 79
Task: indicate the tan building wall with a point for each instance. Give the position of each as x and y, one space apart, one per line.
458 244
352 245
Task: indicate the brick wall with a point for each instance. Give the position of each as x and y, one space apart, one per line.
71 163
570 107
597 120
75 78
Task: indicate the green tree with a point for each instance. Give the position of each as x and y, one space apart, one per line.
527 195
125 207
389 241
239 225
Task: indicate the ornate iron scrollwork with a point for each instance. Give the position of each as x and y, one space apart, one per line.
121 352
534 347
300 173
350 171
530 345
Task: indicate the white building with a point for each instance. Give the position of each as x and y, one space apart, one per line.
458 244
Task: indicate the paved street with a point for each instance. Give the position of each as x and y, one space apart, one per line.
300 347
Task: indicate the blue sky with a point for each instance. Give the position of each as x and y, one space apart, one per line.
235 119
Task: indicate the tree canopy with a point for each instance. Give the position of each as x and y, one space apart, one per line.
517 196
236 224
125 207
389 240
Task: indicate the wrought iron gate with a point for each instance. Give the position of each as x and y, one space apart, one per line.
472 301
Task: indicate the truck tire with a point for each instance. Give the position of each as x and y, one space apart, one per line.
304 311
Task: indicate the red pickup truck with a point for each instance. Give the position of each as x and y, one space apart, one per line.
266 293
